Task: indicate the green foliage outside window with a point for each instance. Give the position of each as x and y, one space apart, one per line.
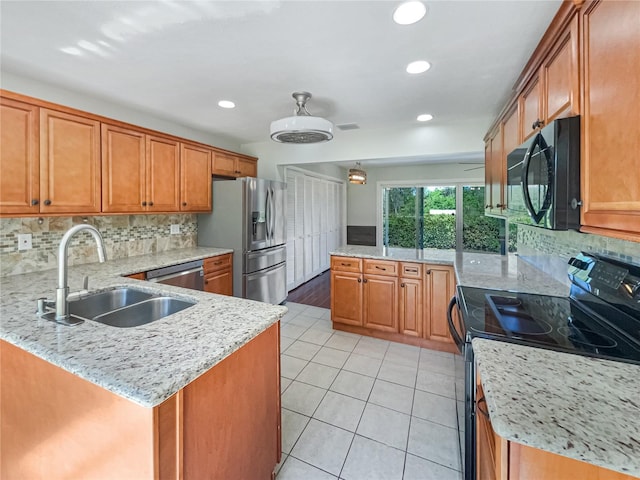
480 233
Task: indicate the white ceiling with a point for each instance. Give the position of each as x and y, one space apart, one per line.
176 59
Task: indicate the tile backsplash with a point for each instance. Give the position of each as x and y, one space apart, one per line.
550 250
124 236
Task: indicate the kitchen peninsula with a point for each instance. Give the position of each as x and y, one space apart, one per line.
155 401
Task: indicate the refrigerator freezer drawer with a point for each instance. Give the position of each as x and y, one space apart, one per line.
261 259
269 286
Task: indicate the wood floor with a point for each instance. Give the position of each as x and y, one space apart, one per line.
316 292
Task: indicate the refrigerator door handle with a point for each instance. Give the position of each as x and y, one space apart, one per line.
266 213
271 215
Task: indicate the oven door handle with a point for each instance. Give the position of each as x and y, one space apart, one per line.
452 328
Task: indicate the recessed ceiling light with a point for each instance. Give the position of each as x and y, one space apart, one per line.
425 117
226 104
409 12
418 66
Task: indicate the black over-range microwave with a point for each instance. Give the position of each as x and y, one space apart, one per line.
543 178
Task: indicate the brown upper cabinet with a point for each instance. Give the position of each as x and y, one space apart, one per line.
19 157
586 64
226 164
50 161
494 176
552 88
141 173
69 163
611 119
58 160
195 178
499 143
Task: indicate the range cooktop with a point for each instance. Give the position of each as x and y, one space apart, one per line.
600 318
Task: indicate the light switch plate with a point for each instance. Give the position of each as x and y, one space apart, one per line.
175 229
24 241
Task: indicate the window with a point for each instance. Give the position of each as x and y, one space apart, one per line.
439 216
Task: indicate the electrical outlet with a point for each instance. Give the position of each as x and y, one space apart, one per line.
24 241
175 229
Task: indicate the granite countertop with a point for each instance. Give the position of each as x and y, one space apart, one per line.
579 407
145 364
484 270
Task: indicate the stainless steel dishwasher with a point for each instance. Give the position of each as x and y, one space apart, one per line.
186 275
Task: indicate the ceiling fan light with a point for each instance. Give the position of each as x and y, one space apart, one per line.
302 127
357 175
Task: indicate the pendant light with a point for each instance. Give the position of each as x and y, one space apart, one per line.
357 175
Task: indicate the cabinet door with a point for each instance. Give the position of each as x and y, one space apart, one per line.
530 105
411 306
346 298
380 303
498 169
163 174
19 157
439 288
69 163
510 141
224 164
560 73
246 167
611 184
220 282
123 169
195 178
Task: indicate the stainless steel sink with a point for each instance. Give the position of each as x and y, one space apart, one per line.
123 307
103 302
144 312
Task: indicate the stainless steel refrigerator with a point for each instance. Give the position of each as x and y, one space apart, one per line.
249 217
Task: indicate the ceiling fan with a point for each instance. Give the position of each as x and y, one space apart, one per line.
302 127
477 167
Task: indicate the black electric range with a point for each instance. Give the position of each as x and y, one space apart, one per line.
600 318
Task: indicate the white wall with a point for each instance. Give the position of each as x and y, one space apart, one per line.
362 199
88 103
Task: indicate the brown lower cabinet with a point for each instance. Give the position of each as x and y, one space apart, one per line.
500 459
400 301
224 424
218 274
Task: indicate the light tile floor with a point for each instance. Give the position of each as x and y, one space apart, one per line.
360 408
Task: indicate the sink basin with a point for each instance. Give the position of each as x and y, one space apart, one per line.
144 312
100 303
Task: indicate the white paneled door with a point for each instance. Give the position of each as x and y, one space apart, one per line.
314 224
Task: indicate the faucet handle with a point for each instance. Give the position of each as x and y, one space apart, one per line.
43 304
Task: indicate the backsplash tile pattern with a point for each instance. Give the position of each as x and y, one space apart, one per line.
550 250
124 236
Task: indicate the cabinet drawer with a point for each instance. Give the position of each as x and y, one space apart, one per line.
381 267
346 264
411 270
213 264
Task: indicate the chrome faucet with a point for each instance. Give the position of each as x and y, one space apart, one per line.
62 292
